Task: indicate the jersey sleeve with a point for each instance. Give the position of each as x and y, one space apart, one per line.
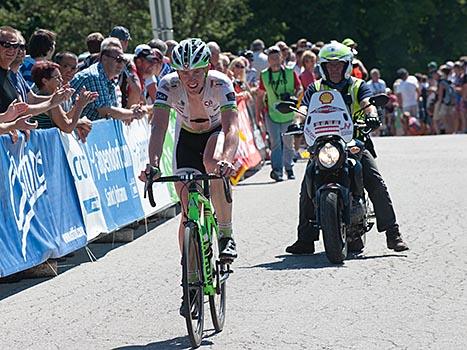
227 99
364 92
308 93
164 93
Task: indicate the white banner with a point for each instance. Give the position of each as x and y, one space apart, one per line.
137 139
88 194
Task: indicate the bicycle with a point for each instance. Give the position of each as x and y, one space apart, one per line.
202 273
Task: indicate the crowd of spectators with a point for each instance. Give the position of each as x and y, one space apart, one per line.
45 89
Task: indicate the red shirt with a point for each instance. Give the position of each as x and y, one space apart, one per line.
307 78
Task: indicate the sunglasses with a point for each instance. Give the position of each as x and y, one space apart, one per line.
118 59
8 45
239 66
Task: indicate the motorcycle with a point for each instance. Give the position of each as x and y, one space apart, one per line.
334 176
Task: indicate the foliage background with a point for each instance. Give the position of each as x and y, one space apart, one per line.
390 33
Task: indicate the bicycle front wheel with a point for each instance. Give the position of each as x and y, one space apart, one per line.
192 281
217 302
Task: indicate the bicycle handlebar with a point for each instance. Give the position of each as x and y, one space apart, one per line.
186 178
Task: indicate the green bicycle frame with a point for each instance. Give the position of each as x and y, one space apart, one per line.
206 224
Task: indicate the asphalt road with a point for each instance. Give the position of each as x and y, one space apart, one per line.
129 298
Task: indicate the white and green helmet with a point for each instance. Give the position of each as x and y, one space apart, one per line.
190 54
335 51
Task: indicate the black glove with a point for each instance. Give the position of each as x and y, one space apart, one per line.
372 121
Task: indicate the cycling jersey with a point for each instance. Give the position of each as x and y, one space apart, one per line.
218 95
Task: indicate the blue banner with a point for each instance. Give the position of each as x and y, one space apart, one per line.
40 213
108 156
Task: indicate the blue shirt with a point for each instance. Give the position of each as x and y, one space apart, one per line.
20 84
26 69
94 79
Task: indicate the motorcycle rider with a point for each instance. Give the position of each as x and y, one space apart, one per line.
335 65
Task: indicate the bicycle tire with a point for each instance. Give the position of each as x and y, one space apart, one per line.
193 293
218 301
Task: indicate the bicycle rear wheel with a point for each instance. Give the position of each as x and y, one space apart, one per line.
217 302
192 281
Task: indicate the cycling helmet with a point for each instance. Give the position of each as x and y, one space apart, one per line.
335 51
190 54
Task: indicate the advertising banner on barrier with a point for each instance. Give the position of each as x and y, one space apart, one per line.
105 179
40 214
247 155
137 138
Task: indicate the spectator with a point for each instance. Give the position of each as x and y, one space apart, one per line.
68 68
457 79
298 67
93 43
445 101
68 65
302 43
148 62
408 92
285 53
358 70
278 83
215 54
100 78
242 89
128 81
9 49
41 47
223 65
170 46
161 46
47 78
22 87
260 60
309 63
376 84
251 72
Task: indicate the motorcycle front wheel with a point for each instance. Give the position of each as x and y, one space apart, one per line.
333 227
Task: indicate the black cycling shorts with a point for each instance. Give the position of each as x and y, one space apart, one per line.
189 150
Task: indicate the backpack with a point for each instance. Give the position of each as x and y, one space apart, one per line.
449 96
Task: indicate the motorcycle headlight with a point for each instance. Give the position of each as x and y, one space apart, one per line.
328 155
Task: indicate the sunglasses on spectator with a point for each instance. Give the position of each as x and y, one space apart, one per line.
239 66
118 59
9 45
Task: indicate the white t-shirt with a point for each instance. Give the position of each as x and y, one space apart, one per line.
408 89
218 96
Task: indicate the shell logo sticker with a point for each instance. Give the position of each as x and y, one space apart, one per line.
326 97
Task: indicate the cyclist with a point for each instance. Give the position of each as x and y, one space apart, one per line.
335 64
206 132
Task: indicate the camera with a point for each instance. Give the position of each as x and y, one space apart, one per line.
285 97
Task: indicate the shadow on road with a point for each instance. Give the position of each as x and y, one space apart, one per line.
313 261
170 344
19 282
256 183
297 262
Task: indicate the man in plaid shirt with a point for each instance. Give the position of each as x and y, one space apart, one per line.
101 77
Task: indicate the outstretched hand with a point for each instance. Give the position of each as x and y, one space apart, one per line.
14 110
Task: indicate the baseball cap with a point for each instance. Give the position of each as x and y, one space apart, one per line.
121 33
349 42
145 51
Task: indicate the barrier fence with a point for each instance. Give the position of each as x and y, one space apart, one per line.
58 193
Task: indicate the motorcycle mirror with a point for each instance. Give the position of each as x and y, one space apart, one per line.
285 107
379 100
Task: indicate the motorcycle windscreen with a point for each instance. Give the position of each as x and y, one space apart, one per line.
327 115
